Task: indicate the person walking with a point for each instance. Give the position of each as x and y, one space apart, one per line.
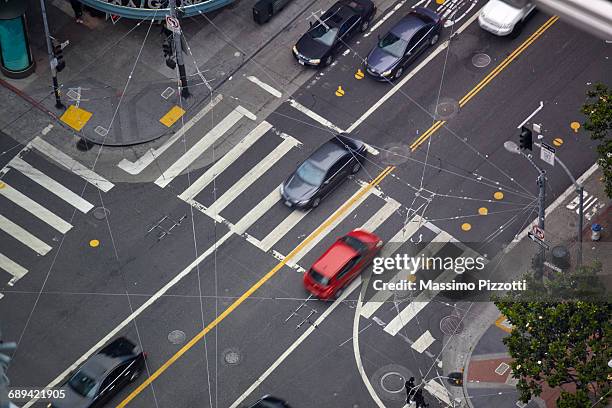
410 390
419 399
78 10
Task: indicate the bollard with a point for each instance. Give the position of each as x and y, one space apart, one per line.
596 232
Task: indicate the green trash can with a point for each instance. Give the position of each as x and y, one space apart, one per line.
15 55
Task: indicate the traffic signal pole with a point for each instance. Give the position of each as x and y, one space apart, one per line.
52 60
178 49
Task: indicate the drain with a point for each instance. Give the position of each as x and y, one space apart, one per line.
446 109
394 154
393 382
84 145
100 213
232 357
481 60
451 325
176 337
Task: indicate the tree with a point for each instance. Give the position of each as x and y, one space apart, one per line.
561 342
598 111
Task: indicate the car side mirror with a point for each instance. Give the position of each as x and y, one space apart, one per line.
326 182
310 23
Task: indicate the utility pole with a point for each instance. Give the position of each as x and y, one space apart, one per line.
178 49
52 59
541 215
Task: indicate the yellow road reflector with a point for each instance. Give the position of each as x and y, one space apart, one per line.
359 74
75 117
440 1
172 116
466 226
558 142
498 195
483 211
575 126
94 243
2 185
339 91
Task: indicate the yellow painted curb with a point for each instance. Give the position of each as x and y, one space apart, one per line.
75 117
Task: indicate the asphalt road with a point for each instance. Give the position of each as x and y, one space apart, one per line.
198 281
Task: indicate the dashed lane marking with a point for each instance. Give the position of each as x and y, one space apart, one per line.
268 88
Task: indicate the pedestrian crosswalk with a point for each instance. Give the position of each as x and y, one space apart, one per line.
31 169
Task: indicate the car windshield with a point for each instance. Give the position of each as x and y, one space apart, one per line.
310 174
318 277
324 35
393 45
82 384
354 243
516 3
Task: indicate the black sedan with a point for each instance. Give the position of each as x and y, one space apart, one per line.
270 402
412 35
323 171
335 27
102 376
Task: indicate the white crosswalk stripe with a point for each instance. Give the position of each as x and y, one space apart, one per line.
23 236
281 229
12 267
423 342
51 185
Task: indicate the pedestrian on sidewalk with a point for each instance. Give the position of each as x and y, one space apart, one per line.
419 399
410 390
78 10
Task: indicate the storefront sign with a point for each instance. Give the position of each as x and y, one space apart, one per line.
157 9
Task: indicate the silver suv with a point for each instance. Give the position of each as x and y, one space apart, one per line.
502 17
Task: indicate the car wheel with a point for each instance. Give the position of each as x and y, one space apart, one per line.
328 60
398 73
338 293
364 26
316 202
135 375
434 39
516 31
356 168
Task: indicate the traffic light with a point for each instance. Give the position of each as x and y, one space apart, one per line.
168 47
525 139
58 55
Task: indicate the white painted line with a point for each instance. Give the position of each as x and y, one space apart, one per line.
423 342
315 116
197 149
281 229
265 86
35 209
330 227
12 267
251 176
23 236
385 17
148 158
223 163
257 211
412 73
372 150
246 113
381 215
53 186
354 285
437 390
68 162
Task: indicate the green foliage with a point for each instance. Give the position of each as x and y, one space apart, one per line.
560 342
598 111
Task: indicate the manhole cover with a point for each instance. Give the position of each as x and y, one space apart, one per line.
84 145
176 337
232 357
481 60
389 382
393 382
100 213
446 109
394 154
451 325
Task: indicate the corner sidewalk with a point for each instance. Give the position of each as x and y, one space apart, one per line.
481 354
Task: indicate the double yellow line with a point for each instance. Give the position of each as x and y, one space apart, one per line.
344 208
463 101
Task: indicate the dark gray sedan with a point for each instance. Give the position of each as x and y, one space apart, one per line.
323 171
412 35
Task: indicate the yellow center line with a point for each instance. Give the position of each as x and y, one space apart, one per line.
345 207
463 101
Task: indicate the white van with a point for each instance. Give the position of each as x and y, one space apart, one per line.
502 17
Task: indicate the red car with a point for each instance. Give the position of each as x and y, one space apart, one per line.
341 263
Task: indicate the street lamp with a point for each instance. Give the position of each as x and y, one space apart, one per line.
513 148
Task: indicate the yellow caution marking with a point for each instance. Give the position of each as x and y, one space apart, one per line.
503 323
575 126
339 91
94 243
498 195
344 208
172 116
75 117
440 1
483 211
359 74
558 142
2 185
466 226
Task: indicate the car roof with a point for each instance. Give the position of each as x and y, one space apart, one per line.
328 154
334 259
408 26
98 365
340 12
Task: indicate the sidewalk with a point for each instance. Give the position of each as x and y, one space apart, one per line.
481 355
